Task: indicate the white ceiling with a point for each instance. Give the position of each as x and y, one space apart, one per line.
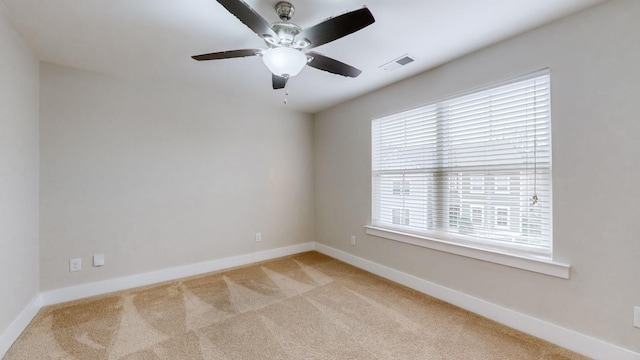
154 39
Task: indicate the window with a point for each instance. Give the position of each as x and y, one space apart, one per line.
466 169
502 218
401 187
477 215
454 216
401 216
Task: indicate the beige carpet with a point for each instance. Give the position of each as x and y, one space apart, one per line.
306 306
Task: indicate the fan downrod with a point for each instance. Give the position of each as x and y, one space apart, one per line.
285 10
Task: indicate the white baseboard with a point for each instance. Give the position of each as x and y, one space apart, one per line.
129 282
11 333
14 330
566 338
569 339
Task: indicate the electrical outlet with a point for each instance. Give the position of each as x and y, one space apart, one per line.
258 237
353 240
75 265
636 317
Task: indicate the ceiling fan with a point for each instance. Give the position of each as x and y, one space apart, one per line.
289 44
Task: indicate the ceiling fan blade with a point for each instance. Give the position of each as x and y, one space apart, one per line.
324 63
227 54
336 27
249 17
279 82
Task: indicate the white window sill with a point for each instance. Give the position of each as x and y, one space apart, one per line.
541 266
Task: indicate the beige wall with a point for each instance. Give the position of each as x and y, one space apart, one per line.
594 58
156 176
18 174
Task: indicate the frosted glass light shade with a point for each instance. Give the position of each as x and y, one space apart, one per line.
284 61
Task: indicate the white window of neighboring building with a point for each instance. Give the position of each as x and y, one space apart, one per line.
477 215
502 218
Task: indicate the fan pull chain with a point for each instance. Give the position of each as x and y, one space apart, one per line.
286 94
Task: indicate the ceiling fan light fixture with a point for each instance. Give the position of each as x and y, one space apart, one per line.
284 61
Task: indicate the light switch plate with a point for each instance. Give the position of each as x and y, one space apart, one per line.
98 260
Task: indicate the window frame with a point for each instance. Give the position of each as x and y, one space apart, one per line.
474 247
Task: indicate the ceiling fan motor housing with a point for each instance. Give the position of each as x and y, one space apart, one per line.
286 34
285 10
286 30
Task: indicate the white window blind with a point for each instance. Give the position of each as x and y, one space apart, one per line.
473 169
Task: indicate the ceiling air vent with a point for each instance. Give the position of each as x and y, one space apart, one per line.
399 62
